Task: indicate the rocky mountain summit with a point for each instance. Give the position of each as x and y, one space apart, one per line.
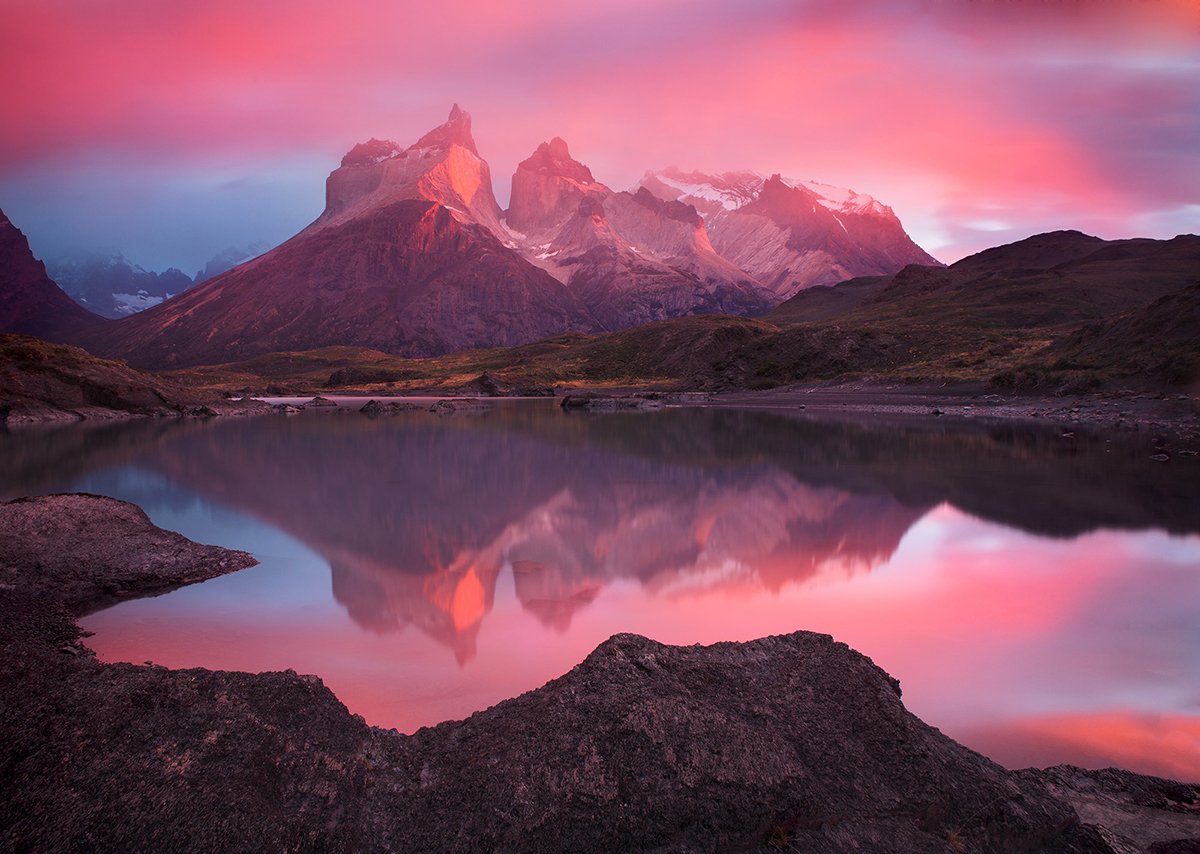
791 235
414 256
631 257
793 742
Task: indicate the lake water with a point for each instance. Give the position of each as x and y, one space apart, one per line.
1037 595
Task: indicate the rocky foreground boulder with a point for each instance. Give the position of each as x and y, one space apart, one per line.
792 743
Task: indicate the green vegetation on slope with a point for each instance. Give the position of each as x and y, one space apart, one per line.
1061 311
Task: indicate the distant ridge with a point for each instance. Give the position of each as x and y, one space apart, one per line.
1058 279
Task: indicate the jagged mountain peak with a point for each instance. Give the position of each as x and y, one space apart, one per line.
777 195
709 193
443 166
456 131
791 234
675 210
548 187
554 158
713 193
372 151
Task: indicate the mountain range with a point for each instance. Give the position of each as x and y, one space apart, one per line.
414 256
112 286
109 284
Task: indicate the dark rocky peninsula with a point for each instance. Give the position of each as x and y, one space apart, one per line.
793 743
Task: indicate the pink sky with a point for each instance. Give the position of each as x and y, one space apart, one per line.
172 130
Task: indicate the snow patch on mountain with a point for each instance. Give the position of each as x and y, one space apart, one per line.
733 190
127 304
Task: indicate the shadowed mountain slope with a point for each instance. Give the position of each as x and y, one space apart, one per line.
1058 279
30 302
402 260
406 278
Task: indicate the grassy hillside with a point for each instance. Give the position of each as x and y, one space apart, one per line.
40 381
1061 311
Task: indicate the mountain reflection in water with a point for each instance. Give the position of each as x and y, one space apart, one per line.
700 523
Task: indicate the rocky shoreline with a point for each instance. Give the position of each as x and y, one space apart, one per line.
786 743
47 383
1117 408
43 383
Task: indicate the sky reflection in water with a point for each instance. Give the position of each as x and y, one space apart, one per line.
473 559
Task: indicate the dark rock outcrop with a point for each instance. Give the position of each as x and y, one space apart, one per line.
30 303
123 758
597 402
375 408
461 406
90 552
1130 812
793 742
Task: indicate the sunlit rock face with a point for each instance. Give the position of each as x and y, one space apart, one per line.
30 303
404 259
443 166
631 257
549 187
788 234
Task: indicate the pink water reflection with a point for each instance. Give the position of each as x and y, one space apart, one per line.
1033 650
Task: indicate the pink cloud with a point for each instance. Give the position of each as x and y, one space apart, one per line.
976 121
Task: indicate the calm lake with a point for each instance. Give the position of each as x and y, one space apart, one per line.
1037 594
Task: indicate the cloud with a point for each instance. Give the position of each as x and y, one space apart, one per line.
1031 115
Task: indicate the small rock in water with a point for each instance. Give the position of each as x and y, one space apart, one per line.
1161 458
461 406
611 403
374 408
